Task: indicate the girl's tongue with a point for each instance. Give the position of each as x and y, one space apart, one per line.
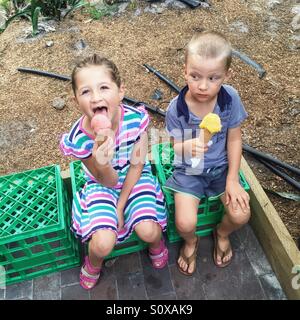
102 110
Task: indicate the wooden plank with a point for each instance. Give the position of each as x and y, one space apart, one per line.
274 237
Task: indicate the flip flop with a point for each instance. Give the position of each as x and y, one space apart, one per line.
188 260
218 250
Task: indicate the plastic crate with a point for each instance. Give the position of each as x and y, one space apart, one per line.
210 211
35 236
132 244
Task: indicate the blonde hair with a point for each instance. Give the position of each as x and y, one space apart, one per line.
96 60
209 44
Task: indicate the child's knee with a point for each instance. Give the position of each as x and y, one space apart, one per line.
103 243
239 216
148 231
185 225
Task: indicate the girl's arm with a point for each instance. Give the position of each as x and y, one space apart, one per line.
137 163
234 191
103 171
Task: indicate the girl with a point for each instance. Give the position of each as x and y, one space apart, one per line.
120 195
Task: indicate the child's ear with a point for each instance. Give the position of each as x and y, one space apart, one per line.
229 74
185 72
75 102
122 92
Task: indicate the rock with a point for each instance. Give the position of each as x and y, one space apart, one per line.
49 43
58 103
272 3
296 22
80 45
238 26
3 18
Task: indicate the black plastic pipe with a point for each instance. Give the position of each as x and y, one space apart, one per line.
147 106
192 3
66 78
269 158
261 71
162 77
281 174
45 73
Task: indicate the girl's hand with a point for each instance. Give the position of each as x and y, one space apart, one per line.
195 147
120 213
103 152
236 195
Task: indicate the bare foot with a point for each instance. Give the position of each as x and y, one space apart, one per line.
189 252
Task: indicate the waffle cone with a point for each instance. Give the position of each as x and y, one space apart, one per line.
205 135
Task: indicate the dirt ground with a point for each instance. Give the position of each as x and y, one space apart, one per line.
30 127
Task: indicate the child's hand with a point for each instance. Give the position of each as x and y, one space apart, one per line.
236 195
195 147
103 152
120 213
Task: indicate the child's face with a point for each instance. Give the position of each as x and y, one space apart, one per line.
97 92
204 77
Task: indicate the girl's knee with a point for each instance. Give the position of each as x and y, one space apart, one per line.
148 231
102 243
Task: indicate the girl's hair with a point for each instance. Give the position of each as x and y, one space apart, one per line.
96 60
209 44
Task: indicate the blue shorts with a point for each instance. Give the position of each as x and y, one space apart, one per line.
210 183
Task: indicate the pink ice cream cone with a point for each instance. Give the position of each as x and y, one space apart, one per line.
100 123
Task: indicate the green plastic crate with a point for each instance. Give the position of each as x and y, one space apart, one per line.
35 236
210 211
133 243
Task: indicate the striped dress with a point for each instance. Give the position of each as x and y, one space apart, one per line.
94 207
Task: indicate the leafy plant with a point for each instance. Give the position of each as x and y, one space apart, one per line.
97 13
47 8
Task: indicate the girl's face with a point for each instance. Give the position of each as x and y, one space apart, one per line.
205 77
96 92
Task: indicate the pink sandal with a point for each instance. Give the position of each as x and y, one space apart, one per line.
159 257
90 275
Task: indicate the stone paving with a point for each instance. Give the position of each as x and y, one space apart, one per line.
131 277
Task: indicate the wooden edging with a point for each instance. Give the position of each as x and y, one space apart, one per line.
274 237
278 245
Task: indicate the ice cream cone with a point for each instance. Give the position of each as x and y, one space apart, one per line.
206 135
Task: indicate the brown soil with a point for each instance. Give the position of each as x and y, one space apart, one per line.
30 127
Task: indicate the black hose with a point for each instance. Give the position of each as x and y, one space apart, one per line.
261 71
163 78
287 178
192 3
45 73
269 158
147 106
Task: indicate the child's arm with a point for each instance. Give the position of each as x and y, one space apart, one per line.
234 192
192 147
103 171
137 163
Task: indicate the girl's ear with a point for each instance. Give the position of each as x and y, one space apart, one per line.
122 92
75 102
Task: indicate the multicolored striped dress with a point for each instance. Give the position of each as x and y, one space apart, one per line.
94 207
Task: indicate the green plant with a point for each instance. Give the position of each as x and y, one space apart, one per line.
5 4
47 8
97 13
